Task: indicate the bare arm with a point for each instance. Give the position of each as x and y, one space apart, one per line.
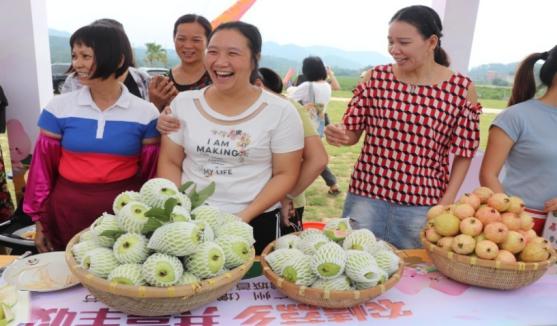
315 159
170 161
287 79
458 173
335 86
286 168
499 145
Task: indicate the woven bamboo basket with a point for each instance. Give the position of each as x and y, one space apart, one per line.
485 273
154 301
326 298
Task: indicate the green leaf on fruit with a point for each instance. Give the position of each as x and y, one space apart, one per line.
169 205
112 233
185 186
158 213
198 198
151 225
207 192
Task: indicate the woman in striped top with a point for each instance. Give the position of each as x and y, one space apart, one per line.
94 143
413 114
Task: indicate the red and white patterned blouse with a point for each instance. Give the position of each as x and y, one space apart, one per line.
409 131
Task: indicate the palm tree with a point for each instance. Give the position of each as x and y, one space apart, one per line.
155 53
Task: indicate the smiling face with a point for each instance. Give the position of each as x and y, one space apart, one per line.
408 47
83 62
190 42
229 60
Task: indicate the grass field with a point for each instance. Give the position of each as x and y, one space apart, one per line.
341 161
494 104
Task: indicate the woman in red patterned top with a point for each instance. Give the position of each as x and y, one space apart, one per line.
413 114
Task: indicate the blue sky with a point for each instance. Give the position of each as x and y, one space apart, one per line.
506 30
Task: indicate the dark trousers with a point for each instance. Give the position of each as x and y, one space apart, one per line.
265 229
296 220
329 177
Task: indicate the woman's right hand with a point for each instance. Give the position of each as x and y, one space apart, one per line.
41 241
161 91
167 123
336 135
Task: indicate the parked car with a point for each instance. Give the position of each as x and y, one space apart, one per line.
59 74
155 71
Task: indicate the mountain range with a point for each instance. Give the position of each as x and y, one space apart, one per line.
274 55
281 57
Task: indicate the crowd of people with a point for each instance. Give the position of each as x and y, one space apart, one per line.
225 119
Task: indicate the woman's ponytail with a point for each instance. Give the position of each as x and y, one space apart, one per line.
524 86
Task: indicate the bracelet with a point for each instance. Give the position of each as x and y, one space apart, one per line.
289 196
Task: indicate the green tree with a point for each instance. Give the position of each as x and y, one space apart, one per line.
155 53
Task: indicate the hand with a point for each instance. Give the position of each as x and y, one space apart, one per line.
336 135
41 241
287 79
365 76
167 123
550 205
243 216
286 211
446 200
330 73
161 91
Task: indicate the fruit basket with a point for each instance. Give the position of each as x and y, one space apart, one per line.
485 273
328 298
155 301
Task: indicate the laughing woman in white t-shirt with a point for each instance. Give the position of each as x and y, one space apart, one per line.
247 140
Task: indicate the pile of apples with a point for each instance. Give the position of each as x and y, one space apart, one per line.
488 225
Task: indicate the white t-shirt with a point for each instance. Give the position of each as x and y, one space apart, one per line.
234 151
322 91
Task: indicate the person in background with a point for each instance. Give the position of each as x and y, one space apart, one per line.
315 93
191 33
412 113
134 79
314 159
245 139
6 203
523 138
94 143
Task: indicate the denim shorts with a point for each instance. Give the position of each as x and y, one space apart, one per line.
397 224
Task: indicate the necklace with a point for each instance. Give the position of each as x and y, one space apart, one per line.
412 88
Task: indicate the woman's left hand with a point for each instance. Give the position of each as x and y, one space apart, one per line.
286 211
550 205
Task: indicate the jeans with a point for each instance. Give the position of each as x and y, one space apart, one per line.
329 177
400 225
